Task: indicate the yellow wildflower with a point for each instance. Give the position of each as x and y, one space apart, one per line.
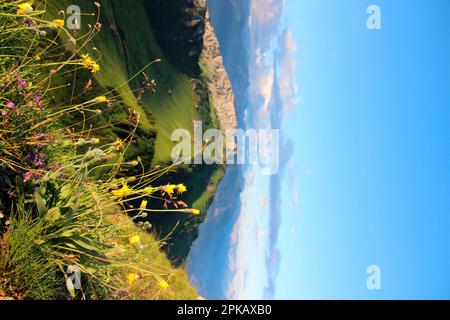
149 190
95 68
122 192
135 241
58 23
89 64
24 8
118 144
192 211
87 61
163 284
143 205
169 189
131 278
95 140
181 188
101 99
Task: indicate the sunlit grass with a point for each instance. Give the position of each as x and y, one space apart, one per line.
65 193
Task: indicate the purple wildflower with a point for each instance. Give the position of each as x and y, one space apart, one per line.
21 83
38 103
29 22
37 158
10 105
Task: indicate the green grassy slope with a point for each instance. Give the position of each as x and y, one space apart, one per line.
145 287
127 43
124 54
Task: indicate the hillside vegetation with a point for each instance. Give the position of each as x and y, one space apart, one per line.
132 36
79 114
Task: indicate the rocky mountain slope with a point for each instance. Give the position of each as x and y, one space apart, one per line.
217 78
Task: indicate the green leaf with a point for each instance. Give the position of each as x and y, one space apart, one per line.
53 215
85 243
68 233
65 193
40 203
70 287
89 270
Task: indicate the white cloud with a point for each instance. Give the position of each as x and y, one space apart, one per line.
288 86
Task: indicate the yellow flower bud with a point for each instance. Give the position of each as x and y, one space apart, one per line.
101 99
135 241
118 144
143 205
163 284
149 190
181 188
131 278
58 23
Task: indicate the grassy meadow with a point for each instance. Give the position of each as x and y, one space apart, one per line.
125 46
85 124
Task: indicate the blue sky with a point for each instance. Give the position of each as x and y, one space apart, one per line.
370 175
365 154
